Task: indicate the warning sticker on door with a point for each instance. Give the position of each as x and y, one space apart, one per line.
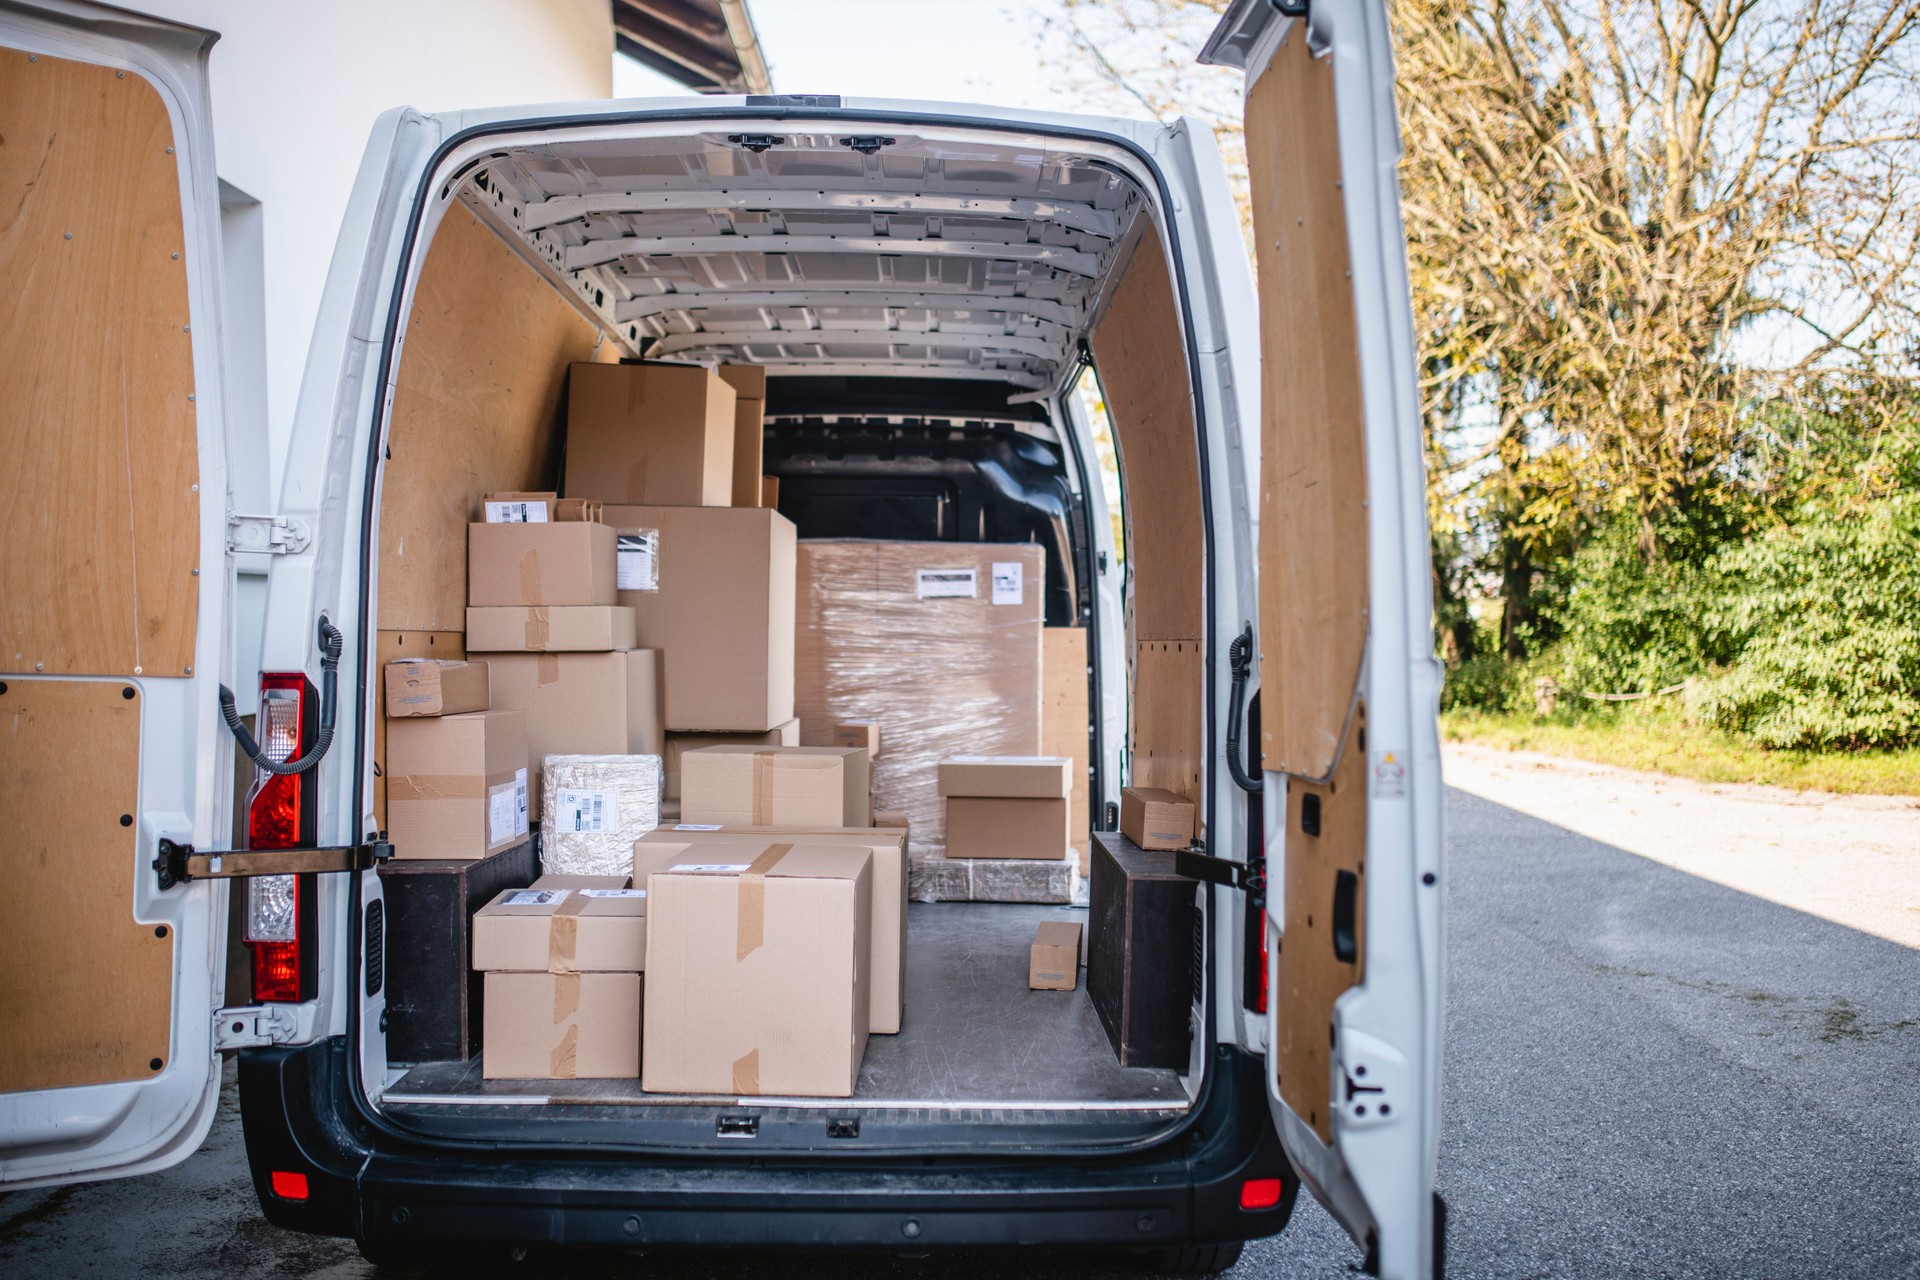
1389 775
516 513
1008 582
637 563
948 584
585 812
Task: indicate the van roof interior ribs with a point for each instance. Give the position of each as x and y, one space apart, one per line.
823 253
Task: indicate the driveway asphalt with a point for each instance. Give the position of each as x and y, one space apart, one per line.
1648 1074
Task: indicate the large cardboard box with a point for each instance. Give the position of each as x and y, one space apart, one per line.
1045 777
678 744
1006 827
888 971
457 786
757 971
556 928
649 433
434 687
775 786
561 1026
585 628
712 589
592 704
1053 961
937 641
570 563
1154 818
749 383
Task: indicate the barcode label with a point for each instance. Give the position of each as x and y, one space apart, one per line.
1009 582
637 560
696 826
948 584
536 897
516 513
613 893
505 818
520 801
584 812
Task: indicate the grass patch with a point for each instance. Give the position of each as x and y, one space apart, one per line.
1665 743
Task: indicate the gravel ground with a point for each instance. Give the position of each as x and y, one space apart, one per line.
1649 1073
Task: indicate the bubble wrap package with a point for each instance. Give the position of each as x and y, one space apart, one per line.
595 807
937 642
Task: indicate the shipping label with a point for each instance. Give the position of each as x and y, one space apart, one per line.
1008 582
728 868
696 826
585 811
506 813
520 801
613 893
948 584
637 567
536 897
516 513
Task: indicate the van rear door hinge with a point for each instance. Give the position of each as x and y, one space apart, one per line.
178 863
271 535
253 1026
1205 867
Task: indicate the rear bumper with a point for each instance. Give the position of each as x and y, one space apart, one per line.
365 1183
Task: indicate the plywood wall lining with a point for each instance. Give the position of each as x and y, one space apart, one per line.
1168 725
478 406
1313 519
86 991
101 522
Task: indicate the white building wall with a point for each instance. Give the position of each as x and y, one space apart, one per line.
296 88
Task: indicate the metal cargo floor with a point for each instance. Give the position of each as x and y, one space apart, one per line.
973 1037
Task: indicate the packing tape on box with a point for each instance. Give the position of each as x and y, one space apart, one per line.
530 575
560 1066
539 628
437 786
546 669
763 788
750 922
746 1072
563 934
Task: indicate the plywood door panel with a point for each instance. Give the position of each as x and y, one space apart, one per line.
391 646
1313 531
1168 716
1140 355
477 407
1064 719
86 992
1312 977
101 520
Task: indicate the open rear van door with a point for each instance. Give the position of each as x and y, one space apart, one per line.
114 597
1349 687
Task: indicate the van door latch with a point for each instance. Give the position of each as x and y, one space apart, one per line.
178 863
1204 866
268 535
253 1026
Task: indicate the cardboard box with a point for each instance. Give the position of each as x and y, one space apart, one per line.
770 492
678 744
593 704
858 733
562 1026
596 807
535 508
457 786
391 646
749 383
775 786
581 628
888 982
660 434
891 818
758 973
1154 818
1048 777
1053 961
432 687
1006 827
563 929
1065 720
540 564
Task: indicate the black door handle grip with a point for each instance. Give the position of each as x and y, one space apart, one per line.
1346 888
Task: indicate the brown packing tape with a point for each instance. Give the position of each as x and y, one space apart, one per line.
539 628
563 935
637 481
763 788
436 786
530 575
547 669
746 1072
750 922
561 1065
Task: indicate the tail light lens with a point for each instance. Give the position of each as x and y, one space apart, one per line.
1259 926
280 815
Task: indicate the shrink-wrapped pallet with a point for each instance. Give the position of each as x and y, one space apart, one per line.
594 808
936 642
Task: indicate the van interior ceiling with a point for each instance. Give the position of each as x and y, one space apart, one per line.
922 308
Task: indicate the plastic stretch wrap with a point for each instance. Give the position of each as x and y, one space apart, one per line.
932 878
594 808
939 642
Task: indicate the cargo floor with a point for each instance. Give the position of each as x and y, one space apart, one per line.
974 1036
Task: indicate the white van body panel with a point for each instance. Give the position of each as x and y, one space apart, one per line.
185 775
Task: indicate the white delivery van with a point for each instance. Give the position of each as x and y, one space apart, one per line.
929 282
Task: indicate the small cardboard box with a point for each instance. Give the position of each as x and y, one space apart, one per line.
749 383
561 1026
1007 827
1024 776
540 564
1053 961
888 983
457 786
892 818
858 733
596 807
775 786
678 744
592 704
432 687
651 433
1154 818
757 972
563 929
712 589
581 628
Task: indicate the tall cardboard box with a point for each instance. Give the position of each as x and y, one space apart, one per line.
649 433
775 786
749 383
515 565
888 970
712 589
590 704
561 1026
757 974
457 786
1006 806
678 744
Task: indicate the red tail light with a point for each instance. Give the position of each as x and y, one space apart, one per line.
1259 924
280 811
1259 1193
293 1186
